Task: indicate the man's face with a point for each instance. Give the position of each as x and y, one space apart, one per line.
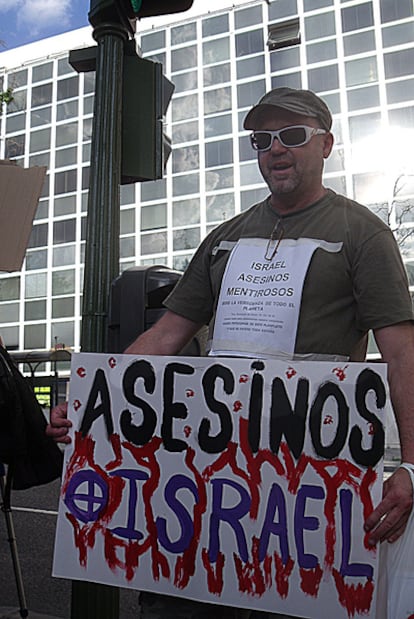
293 172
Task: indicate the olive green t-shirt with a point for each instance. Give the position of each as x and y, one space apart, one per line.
363 286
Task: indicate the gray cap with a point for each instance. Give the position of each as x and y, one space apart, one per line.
303 102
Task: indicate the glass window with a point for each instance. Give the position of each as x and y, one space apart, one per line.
63 282
395 9
185 81
221 178
183 33
252 196
42 159
184 107
246 152
362 98
154 190
185 132
89 80
35 285
335 161
66 134
41 117
9 312
63 333
311 5
17 79
65 110
220 207
402 117
39 140
398 34
357 17
185 158
400 91
65 182
217 125
38 236
318 52
284 59
282 8
63 308
15 146
249 43
42 72
14 123
180 263
41 95
68 88
36 260
186 184
9 288
186 239
87 128
361 71
153 217
248 67
64 67
88 104
250 174
399 63
359 43
217 74
324 78
153 243
64 231
35 310
245 18
155 40
18 102
320 26
248 94
219 153
64 256
127 247
66 157
127 194
363 126
218 100
185 58
292 80
65 205
127 221
186 212
215 25
35 336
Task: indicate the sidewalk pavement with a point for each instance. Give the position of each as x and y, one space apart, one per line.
14 613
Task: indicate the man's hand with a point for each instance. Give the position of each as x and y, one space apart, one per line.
59 424
388 521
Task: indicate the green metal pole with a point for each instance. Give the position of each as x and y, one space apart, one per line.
91 600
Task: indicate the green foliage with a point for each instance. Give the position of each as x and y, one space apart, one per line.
6 96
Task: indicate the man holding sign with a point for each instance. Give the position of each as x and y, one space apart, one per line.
303 275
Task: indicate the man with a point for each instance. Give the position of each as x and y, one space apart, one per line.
345 278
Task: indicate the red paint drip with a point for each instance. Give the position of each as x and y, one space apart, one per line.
116 446
282 574
252 578
214 574
355 598
310 580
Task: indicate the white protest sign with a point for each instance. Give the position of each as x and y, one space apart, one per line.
232 481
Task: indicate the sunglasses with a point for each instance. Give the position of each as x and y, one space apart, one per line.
289 137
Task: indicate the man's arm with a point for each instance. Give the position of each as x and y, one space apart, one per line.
167 337
396 344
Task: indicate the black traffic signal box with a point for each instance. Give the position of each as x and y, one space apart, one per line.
136 303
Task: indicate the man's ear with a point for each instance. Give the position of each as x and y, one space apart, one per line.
328 142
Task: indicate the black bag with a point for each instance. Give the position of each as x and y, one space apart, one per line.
33 457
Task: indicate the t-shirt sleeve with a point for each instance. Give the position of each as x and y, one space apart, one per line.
380 283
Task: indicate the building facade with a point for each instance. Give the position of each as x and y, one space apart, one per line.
358 55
